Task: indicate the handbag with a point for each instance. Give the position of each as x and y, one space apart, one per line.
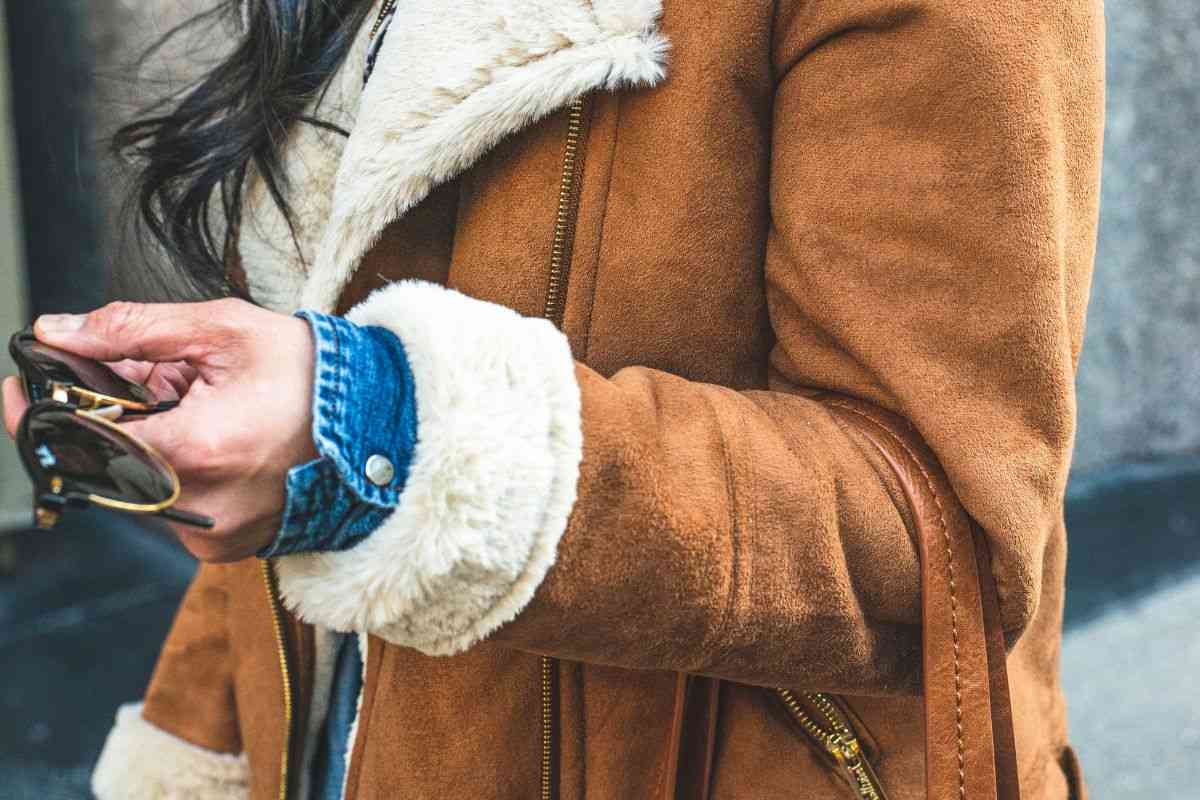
970 750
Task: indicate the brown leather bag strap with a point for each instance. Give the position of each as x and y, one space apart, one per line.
1007 784
969 750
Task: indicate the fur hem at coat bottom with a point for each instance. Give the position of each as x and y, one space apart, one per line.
143 762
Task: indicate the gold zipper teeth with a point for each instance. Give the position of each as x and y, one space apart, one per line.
840 740
548 666
563 218
803 717
383 12
556 297
285 672
823 703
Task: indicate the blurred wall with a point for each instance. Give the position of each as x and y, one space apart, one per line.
53 103
1139 383
14 488
119 33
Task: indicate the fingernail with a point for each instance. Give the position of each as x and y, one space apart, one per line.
60 323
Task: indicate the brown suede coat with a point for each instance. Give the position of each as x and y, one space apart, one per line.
893 200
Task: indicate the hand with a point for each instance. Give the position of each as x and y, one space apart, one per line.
15 404
245 417
168 381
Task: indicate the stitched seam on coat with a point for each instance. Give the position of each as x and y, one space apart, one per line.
958 717
612 160
734 538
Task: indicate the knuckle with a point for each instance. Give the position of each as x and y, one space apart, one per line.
115 317
220 322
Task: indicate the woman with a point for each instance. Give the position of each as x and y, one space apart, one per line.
609 312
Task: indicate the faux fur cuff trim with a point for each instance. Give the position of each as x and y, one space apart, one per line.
492 482
143 762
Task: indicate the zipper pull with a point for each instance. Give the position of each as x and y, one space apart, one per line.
847 752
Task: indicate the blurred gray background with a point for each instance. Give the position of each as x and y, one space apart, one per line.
81 614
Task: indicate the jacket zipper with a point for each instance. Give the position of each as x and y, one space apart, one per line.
285 672
836 737
566 216
560 260
830 729
561 250
549 691
386 9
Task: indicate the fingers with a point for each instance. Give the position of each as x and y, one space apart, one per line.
171 381
130 370
146 332
15 404
168 381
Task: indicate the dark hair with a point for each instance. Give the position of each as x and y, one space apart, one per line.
194 150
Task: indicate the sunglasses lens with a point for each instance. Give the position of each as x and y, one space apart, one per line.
93 459
63 367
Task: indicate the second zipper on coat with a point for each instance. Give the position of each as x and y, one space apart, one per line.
559 276
831 730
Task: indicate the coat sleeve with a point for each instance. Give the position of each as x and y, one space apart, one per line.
183 739
934 184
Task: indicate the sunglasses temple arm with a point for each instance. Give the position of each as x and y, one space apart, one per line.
187 518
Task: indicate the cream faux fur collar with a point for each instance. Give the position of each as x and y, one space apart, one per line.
453 79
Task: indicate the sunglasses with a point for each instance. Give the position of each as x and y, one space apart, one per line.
72 447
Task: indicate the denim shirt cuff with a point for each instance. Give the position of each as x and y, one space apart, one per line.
363 408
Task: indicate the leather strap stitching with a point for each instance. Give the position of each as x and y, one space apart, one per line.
961 745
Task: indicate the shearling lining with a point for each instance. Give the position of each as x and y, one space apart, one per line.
142 762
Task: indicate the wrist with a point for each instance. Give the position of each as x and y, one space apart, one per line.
361 409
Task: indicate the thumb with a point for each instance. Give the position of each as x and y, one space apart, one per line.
141 331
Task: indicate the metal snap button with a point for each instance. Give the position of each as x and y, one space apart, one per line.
380 470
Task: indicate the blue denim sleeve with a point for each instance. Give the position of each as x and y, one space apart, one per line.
364 428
